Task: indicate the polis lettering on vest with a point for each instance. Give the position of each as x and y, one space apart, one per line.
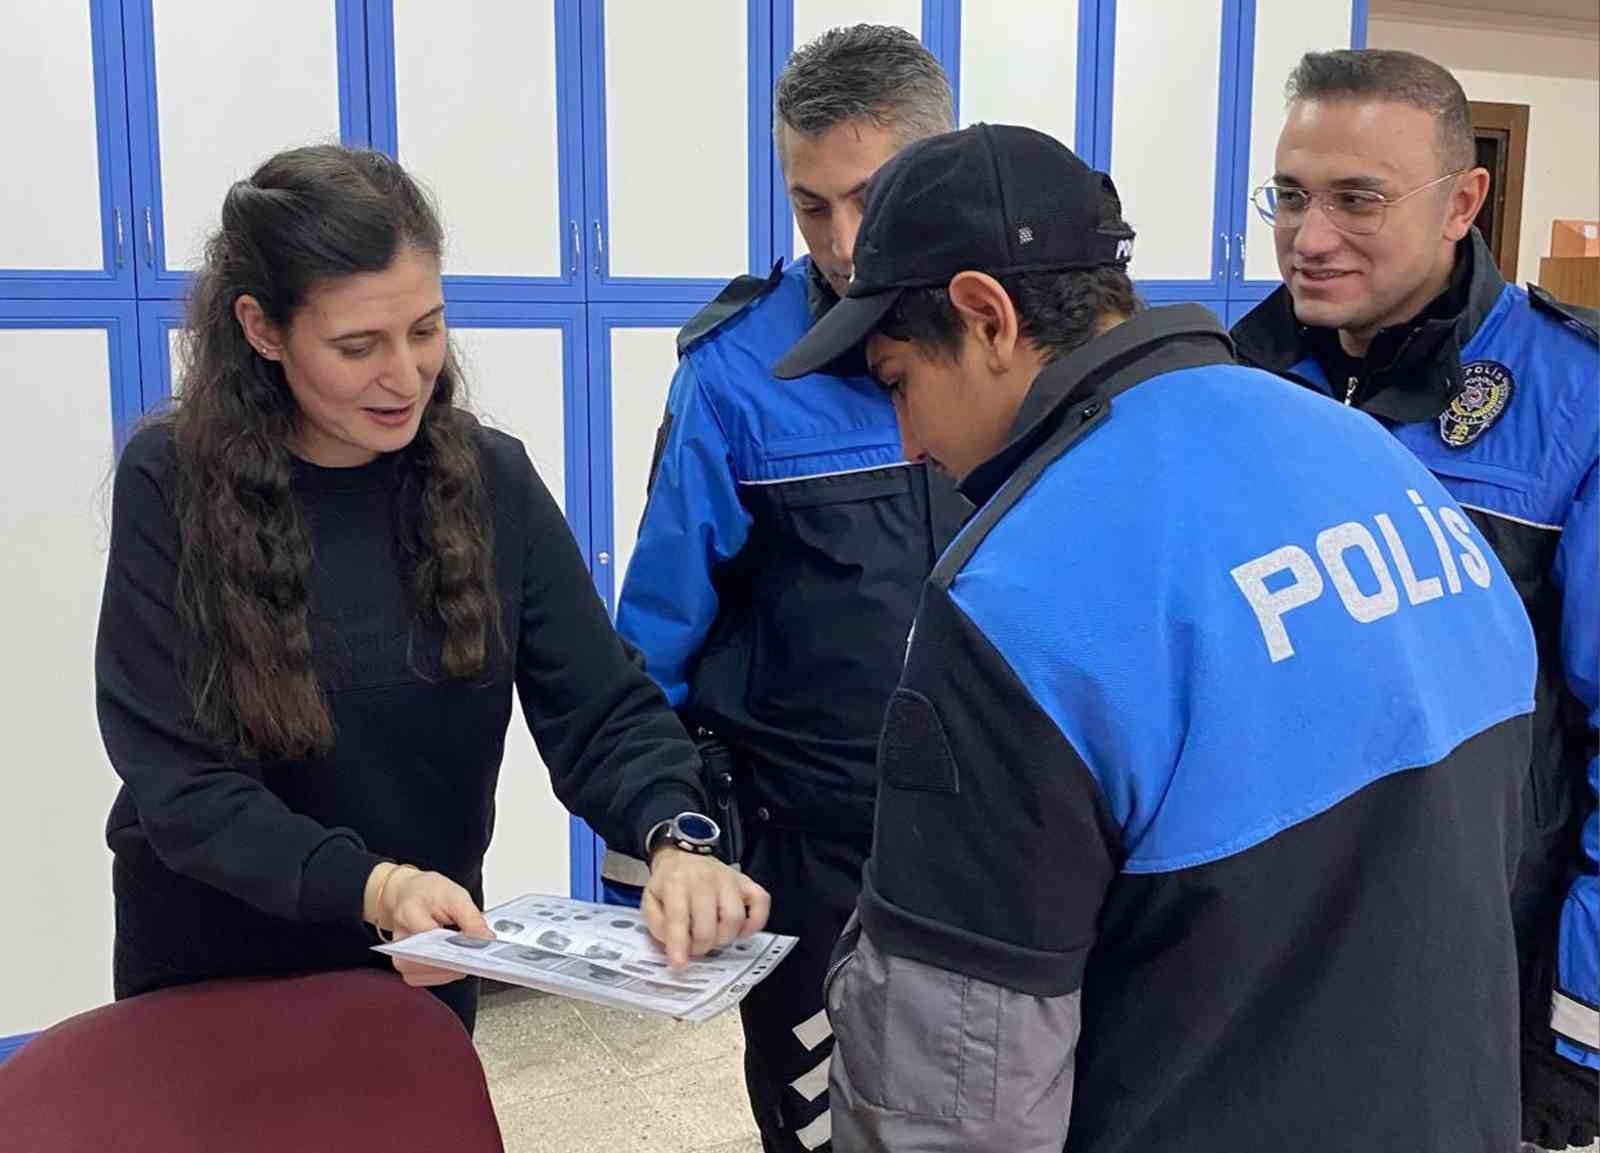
1333 547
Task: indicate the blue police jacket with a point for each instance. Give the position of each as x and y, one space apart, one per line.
1183 840
780 556
1497 390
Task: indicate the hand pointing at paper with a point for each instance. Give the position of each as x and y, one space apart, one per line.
695 903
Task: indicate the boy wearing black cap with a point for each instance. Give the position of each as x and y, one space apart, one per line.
1181 832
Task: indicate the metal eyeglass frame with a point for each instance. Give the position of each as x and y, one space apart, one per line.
1320 198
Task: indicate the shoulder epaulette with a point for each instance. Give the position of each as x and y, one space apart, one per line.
741 292
1585 320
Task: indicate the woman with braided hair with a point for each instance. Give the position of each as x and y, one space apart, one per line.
325 580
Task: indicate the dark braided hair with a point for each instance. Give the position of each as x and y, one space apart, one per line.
306 216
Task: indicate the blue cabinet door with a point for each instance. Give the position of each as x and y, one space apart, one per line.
677 147
1037 68
213 90
66 215
1164 128
1273 36
485 108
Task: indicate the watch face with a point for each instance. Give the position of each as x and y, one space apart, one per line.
697 828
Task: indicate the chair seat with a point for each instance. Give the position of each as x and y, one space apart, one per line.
347 1061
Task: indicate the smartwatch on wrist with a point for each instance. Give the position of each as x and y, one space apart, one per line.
691 832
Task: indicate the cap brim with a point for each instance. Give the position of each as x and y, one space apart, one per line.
841 329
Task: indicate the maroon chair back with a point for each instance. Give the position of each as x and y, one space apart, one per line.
351 1061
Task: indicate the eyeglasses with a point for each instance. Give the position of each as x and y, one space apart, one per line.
1355 211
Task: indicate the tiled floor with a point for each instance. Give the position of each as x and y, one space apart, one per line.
577 1078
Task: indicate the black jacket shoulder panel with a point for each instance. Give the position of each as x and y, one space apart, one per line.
1586 321
739 294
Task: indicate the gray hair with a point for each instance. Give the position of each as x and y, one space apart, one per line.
1401 77
865 72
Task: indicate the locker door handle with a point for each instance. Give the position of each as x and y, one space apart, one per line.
599 246
1240 267
577 247
120 250
1227 256
149 239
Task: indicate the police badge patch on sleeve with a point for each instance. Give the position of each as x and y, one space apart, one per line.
1486 390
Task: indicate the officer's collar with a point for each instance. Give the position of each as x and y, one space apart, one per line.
820 296
1412 371
1073 388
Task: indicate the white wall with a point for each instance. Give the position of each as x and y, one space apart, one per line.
1551 65
55 468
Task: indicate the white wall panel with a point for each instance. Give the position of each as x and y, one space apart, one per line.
1285 31
236 82
1023 69
475 107
514 380
642 363
55 522
1164 133
50 190
814 17
677 139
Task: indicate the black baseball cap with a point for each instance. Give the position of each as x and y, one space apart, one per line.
991 198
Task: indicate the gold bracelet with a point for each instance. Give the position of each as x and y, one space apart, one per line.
377 899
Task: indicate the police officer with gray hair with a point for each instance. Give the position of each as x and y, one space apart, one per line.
780 556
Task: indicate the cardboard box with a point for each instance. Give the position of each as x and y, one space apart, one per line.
1575 238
